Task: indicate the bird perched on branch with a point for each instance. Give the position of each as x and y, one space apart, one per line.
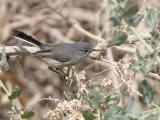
58 55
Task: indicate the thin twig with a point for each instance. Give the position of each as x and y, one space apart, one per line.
85 32
19 50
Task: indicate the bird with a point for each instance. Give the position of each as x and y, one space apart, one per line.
58 55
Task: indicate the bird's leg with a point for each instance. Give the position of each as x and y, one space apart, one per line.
57 70
70 71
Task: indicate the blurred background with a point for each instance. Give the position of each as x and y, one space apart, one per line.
55 21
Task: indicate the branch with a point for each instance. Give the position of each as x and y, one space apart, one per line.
19 50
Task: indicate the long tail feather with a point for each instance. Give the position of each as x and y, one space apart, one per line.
26 37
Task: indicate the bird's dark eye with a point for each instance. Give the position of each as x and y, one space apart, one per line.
86 50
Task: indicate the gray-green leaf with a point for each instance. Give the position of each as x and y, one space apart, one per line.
118 39
15 93
147 91
135 20
113 98
152 17
130 12
27 114
122 3
114 113
96 96
134 109
140 63
88 115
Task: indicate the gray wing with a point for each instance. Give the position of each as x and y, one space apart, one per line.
52 55
62 58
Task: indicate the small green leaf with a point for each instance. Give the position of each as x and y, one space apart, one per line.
152 17
122 3
88 115
156 34
135 20
3 62
134 109
147 91
130 12
140 64
96 96
112 98
14 93
118 39
116 21
114 113
115 16
27 114
155 42
151 114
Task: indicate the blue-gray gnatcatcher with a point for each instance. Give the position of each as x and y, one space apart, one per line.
58 55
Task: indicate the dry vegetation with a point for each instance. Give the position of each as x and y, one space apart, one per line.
112 79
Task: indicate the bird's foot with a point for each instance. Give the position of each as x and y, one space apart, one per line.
57 70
